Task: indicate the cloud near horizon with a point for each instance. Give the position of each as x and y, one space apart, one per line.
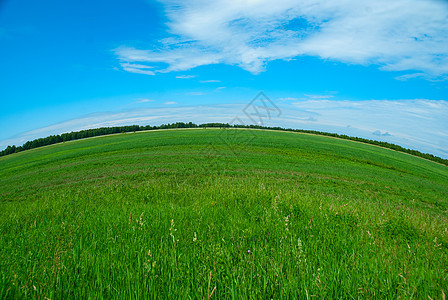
417 124
401 35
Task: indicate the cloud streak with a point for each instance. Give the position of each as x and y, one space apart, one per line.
209 81
137 68
185 76
417 123
401 35
144 100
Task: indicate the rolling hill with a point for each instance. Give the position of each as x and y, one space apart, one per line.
222 213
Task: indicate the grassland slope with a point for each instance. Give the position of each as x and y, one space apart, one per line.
221 213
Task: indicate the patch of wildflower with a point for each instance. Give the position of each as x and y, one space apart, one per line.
173 231
299 254
371 237
195 238
148 264
275 204
287 223
140 223
317 275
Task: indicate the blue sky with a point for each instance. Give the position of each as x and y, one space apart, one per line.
375 69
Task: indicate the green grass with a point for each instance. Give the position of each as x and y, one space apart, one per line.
222 212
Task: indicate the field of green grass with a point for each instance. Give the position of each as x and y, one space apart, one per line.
222 214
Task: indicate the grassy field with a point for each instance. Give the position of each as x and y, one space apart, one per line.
222 213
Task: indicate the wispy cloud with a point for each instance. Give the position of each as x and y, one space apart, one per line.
170 103
428 77
417 123
144 100
186 76
406 77
137 68
400 35
209 81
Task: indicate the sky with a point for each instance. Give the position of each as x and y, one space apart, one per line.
373 69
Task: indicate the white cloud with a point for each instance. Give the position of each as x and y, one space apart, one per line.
185 76
209 81
406 77
418 124
143 100
137 68
400 35
170 103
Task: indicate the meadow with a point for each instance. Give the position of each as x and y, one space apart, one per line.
222 214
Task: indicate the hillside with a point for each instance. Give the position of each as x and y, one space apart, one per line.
222 213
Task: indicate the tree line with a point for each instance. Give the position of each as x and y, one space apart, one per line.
77 135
